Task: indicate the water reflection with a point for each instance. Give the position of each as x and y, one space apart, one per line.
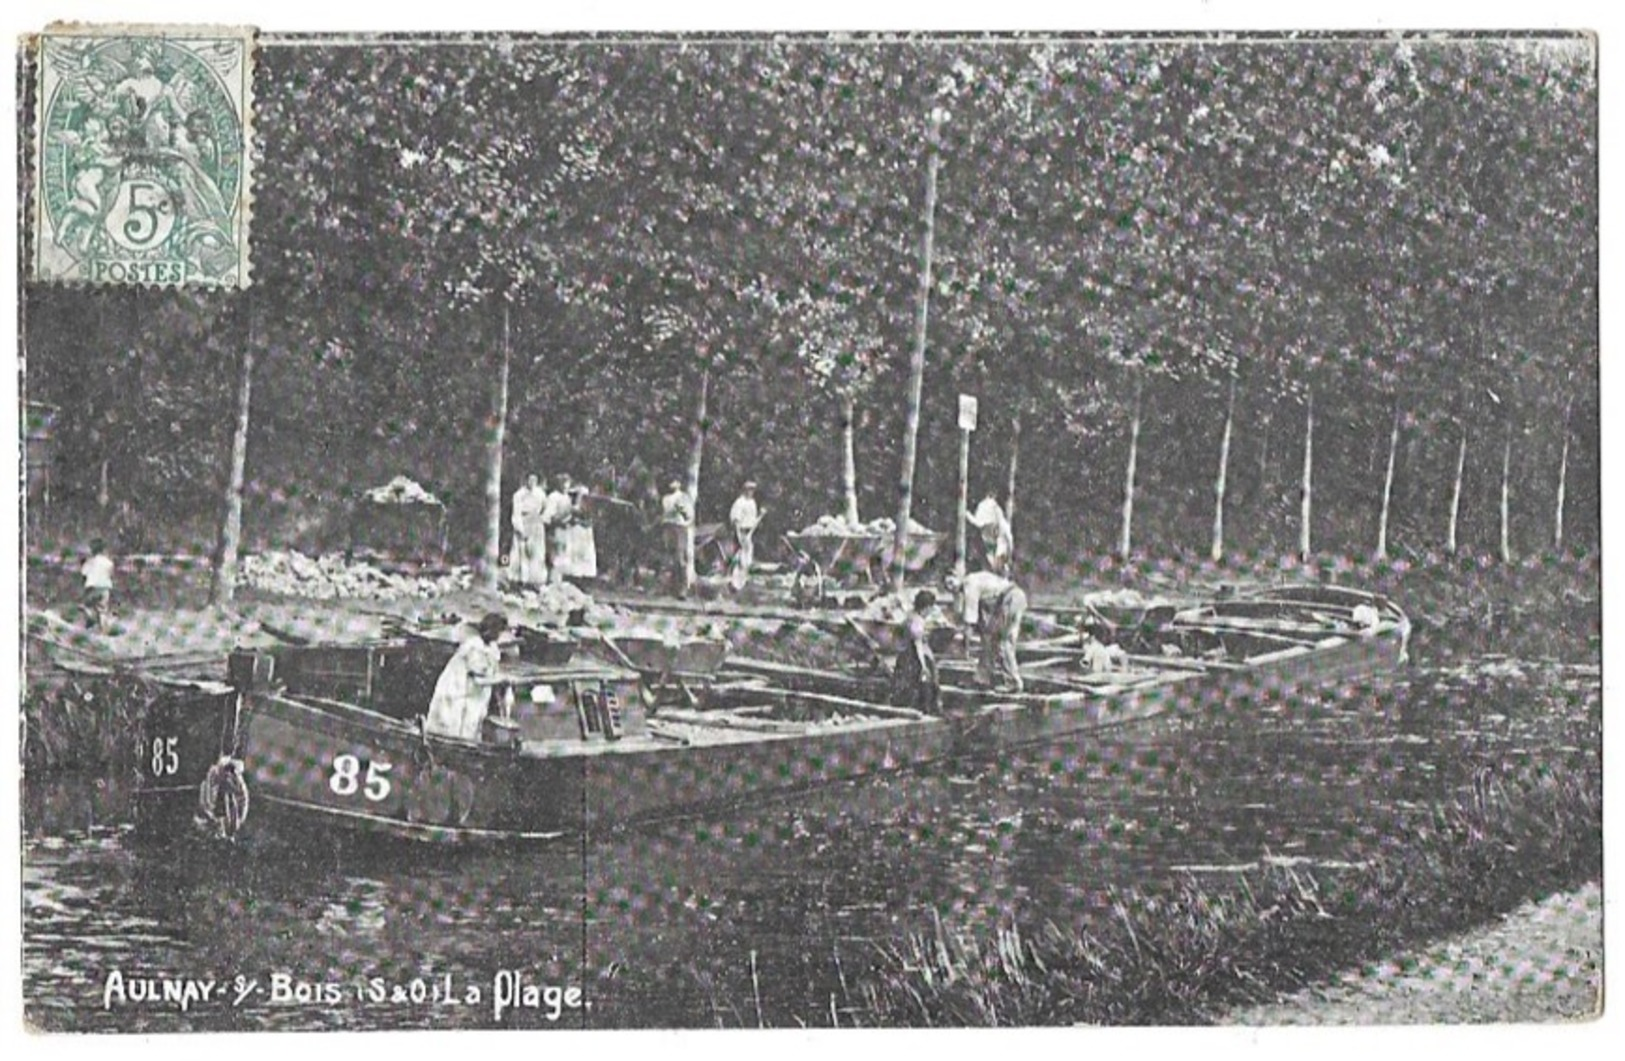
703 921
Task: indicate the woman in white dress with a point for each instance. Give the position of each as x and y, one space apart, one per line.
462 696
556 515
528 566
580 549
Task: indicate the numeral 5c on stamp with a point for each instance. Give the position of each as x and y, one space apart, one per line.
142 169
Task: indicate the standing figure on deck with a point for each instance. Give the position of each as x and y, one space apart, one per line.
998 542
462 696
994 605
744 517
914 681
677 527
580 560
96 600
528 563
556 516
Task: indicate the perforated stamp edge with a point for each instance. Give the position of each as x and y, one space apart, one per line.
47 261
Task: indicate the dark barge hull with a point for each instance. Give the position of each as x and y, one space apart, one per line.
312 769
316 768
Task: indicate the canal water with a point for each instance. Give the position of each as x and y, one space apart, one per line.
738 917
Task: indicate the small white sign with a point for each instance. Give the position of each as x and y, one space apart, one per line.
967 412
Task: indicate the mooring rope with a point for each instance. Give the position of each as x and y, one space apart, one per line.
223 798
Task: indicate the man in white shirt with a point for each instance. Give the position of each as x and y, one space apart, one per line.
745 517
997 540
994 605
677 525
97 573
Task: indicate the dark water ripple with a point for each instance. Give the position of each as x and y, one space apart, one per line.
701 921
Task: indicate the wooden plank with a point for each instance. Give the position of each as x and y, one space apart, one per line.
1187 663
806 679
846 703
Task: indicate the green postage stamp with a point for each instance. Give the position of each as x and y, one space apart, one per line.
141 171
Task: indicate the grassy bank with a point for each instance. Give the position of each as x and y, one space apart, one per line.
1186 950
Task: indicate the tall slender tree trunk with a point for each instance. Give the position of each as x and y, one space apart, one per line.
496 435
916 364
224 589
1305 542
104 493
1125 545
1506 498
1455 491
1388 489
1010 482
849 462
1562 483
696 454
1219 483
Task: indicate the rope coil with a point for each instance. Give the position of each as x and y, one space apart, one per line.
223 799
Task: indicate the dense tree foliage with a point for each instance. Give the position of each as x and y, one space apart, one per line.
1404 228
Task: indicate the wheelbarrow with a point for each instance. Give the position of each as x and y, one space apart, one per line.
715 541
919 549
842 557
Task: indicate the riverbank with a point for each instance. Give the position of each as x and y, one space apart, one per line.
1193 950
1542 962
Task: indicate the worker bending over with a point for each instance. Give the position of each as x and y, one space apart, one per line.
994 605
998 542
462 695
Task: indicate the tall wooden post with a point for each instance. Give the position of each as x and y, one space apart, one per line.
849 461
916 365
224 590
1010 483
1304 539
1388 490
967 424
1126 544
1562 482
1506 498
1455 492
1224 470
696 457
491 560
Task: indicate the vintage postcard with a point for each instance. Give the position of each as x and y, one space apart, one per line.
866 530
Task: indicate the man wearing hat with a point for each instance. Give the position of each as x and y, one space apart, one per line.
677 525
745 517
